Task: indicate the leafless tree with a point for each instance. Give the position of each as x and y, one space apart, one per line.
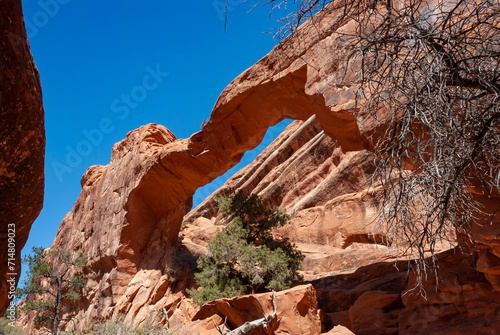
428 79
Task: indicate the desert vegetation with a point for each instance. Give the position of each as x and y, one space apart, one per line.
6 328
246 257
117 325
51 285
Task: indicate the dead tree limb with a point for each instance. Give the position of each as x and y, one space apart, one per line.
217 327
166 317
250 325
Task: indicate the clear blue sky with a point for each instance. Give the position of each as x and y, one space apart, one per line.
92 54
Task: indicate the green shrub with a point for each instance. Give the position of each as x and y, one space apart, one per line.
6 329
246 258
118 326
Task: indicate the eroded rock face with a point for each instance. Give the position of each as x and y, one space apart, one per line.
129 213
22 141
486 234
111 222
381 299
302 168
326 191
323 189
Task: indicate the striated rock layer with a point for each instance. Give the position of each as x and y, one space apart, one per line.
22 142
325 190
302 168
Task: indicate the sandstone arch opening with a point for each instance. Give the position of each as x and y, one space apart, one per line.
131 210
164 191
272 134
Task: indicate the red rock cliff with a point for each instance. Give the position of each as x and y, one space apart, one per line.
22 139
129 213
302 168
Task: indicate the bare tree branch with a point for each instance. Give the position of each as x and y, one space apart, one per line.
166 318
427 74
250 325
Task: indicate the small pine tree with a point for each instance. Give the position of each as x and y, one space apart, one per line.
48 274
246 258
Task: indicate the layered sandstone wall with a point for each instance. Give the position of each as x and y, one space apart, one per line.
302 168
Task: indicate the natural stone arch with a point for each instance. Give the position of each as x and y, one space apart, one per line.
130 212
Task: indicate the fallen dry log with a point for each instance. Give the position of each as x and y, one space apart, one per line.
248 326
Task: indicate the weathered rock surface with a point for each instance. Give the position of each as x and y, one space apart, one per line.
380 299
486 233
112 221
129 213
339 330
22 140
308 174
462 301
326 191
302 168
297 313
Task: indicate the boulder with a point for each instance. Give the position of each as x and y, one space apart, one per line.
297 312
